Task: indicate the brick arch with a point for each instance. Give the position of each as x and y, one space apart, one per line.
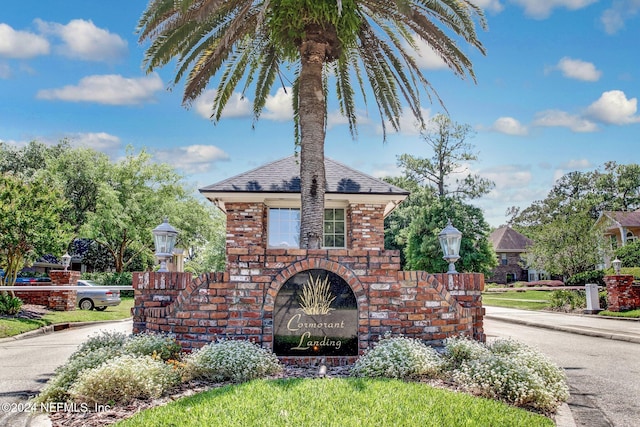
317 263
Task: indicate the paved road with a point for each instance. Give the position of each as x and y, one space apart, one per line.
603 373
27 364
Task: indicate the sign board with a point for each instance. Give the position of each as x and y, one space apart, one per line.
315 314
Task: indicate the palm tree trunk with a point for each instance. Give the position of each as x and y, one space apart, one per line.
312 105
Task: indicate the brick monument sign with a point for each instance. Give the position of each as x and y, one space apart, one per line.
329 303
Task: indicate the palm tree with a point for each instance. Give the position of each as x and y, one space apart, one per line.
338 41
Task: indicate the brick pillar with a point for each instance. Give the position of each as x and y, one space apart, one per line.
622 294
63 300
467 289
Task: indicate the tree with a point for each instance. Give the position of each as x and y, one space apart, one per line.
423 250
451 153
566 245
130 203
30 225
253 39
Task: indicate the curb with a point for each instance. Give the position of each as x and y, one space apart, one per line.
58 327
578 331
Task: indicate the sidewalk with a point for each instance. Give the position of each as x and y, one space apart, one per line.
592 325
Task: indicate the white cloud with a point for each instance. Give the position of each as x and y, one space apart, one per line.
621 10
335 118
577 164
490 5
541 9
613 107
83 40
111 89
21 44
579 70
426 57
192 158
278 107
508 176
509 126
237 106
557 118
99 141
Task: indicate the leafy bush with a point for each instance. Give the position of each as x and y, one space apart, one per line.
515 373
9 305
124 379
100 340
629 254
162 346
57 388
231 360
567 300
398 357
604 300
593 276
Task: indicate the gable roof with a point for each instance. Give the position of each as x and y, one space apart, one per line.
621 219
283 176
506 239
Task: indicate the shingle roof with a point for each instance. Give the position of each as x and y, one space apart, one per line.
625 219
283 176
506 239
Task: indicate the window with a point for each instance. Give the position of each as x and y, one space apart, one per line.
630 237
284 228
334 229
504 260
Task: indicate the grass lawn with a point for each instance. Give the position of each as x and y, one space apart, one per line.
527 300
633 314
13 326
334 402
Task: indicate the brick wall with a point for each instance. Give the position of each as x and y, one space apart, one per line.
240 302
622 293
366 226
53 300
246 225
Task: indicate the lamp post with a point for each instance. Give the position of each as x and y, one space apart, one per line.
450 238
66 260
164 238
617 265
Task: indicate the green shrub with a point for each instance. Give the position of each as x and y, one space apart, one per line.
124 379
9 305
604 300
237 361
515 373
100 340
567 299
162 346
461 349
57 388
593 276
398 357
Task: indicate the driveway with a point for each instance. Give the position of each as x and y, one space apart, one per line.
26 365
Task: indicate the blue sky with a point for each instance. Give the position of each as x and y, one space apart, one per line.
557 92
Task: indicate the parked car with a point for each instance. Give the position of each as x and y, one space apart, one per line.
96 296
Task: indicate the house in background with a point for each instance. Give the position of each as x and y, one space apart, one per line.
511 247
619 228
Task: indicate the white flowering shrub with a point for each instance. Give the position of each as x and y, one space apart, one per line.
398 357
124 379
460 349
237 361
100 340
162 346
57 388
515 373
